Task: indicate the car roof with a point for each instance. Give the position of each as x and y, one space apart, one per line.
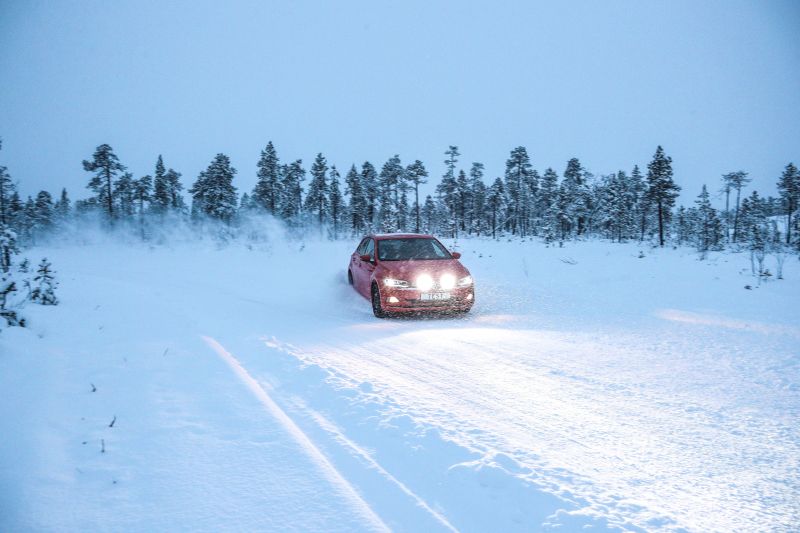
382 236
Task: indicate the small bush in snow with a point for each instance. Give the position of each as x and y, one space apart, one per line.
45 284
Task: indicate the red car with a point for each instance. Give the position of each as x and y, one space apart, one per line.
410 273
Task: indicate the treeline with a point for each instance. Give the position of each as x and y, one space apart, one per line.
636 205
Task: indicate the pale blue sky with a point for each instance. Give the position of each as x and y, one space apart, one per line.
716 83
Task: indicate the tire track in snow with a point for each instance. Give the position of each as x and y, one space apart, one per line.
314 453
610 421
331 428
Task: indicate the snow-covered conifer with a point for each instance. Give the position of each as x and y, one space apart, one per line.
369 182
105 165
416 175
476 212
61 209
548 205
708 230
44 285
213 194
292 176
789 189
316 201
357 208
519 183
662 190
336 203
735 181
267 191
496 203
124 196
389 182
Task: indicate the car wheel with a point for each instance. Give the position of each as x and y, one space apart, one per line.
350 276
377 310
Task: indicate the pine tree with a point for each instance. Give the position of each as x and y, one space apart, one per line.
616 203
245 204
369 182
429 222
124 195
638 190
548 205
357 208
174 188
213 194
755 230
8 286
336 202
8 247
496 201
476 210
43 292
789 189
709 228
166 190
61 209
142 192
416 175
28 221
463 200
105 165
44 211
267 192
7 191
160 200
403 208
575 197
389 182
518 186
317 195
662 190
735 181
291 202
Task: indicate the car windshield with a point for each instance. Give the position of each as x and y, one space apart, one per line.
409 249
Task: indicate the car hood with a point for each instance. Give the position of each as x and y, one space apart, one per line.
409 270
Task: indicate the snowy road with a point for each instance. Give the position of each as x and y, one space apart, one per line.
588 386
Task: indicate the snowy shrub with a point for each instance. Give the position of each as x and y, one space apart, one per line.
44 290
10 301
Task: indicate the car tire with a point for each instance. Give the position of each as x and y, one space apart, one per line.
349 276
377 310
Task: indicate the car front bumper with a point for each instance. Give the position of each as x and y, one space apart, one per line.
410 301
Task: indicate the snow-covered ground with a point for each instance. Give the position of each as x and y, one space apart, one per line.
251 389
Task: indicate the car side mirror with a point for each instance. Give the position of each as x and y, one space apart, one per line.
366 258
456 255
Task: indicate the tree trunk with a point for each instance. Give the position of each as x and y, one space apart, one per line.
110 200
736 216
416 199
727 214
660 224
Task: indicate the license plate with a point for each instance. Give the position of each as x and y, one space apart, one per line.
433 296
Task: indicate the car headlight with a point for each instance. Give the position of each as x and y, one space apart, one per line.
391 282
424 282
466 281
447 281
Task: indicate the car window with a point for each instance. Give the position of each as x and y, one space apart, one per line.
362 247
410 249
370 249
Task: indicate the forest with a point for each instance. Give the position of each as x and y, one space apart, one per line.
524 203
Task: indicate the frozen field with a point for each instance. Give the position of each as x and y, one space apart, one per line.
252 389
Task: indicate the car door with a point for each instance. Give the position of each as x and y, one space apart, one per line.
355 263
366 268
